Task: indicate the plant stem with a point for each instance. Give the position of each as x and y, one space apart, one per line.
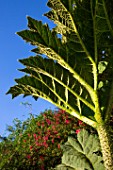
106 146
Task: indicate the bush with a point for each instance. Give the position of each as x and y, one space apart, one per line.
35 143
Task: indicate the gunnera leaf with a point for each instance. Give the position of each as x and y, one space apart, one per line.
82 152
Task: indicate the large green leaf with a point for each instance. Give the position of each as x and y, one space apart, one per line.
58 75
57 84
72 76
94 23
52 47
82 152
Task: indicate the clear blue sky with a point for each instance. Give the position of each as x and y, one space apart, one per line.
12 19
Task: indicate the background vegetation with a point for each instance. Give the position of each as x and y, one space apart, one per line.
35 143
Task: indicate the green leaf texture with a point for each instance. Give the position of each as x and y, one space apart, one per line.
73 70
82 152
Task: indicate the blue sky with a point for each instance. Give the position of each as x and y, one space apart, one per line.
12 47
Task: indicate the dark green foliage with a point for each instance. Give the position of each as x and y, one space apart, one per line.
76 64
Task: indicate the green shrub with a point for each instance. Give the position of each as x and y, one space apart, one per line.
35 143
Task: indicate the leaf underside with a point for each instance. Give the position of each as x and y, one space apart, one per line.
68 69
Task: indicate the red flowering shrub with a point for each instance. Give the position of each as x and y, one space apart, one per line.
37 145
